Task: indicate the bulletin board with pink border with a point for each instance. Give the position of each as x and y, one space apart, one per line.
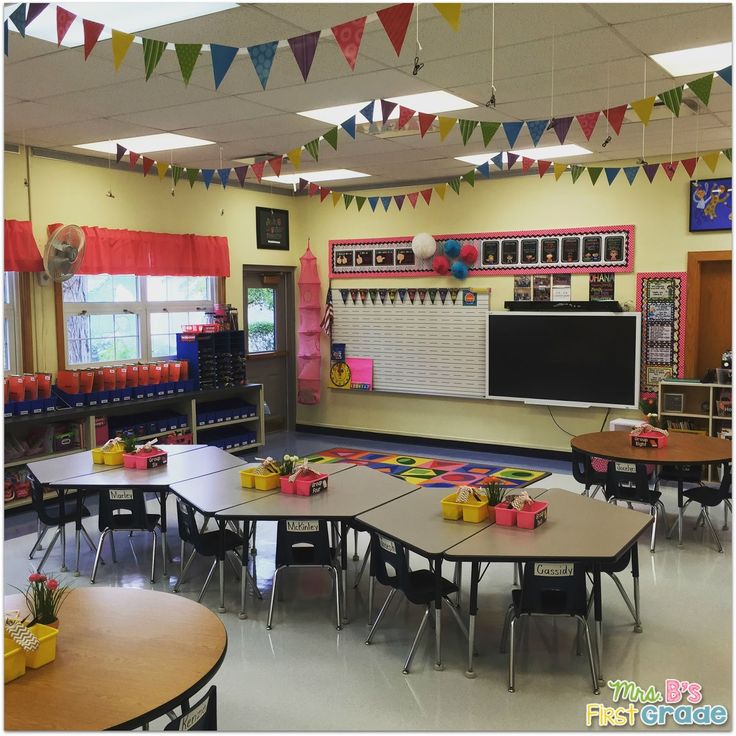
661 299
605 248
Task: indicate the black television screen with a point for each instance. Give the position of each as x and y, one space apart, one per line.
581 358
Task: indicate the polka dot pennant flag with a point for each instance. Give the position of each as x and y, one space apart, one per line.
262 57
348 36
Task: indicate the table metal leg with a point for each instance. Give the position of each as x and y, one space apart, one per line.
438 614
221 565
598 606
244 572
356 556
458 580
473 610
344 569
680 512
164 540
63 567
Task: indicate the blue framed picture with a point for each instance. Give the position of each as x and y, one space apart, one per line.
710 205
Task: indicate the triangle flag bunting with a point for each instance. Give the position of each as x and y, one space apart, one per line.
348 36
727 153
711 159
382 294
432 295
427 194
453 294
669 169
725 75
405 115
454 184
313 189
367 111
344 295
526 163
162 167
425 121
261 57
152 53
240 172
422 295
176 173
257 169
349 127
120 45
313 148
536 129
466 129
386 109
488 130
275 164
470 177
562 127
575 171
446 125
187 54
594 172
412 294
147 163
359 202
392 295
689 165
651 171
18 16
92 32
64 19
701 87
335 198
512 131
373 201
559 170
631 172
224 175
440 189
222 58
451 13
120 152
347 198
323 192
611 173
386 202
587 123
412 197
399 199
192 176
643 109
207 175
304 47
331 137
443 294
542 167
485 169
615 117
295 156
133 159
34 10
511 159
498 161
354 295
395 21
672 98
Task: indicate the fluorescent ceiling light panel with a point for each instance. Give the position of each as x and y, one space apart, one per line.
694 61
315 176
432 102
147 143
126 17
548 153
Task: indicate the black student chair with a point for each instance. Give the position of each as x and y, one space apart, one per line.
202 716
709 497
612 569
586 475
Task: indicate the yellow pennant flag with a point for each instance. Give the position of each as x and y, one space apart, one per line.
162 167
559 170
711 159
446 125
441 189
451 13
336 198
643 108
295 156
120 45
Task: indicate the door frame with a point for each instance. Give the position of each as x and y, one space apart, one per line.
695 260
288 275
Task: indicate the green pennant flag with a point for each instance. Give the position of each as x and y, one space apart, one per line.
192 176
488 130
470 177
594 172
331 137
672 98
152 53
701 87
575 171
455 184
176 173
313 148
360 201
187 53
727 153
466 129
348 199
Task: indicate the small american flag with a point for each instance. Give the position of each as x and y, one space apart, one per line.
326 323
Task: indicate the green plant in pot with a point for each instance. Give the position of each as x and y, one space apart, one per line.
129 441
495 492
288 464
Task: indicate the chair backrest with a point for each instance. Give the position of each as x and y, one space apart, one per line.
584 472
687 473
554 588
627 481
389 562
39 506
188 529
125 503
302 542
725 486
202 716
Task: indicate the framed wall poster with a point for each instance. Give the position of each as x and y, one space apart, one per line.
272 228
710 205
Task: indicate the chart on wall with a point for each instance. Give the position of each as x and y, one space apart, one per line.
607 248
416 341
661 299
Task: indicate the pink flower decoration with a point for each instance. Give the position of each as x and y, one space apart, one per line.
36 578
52 584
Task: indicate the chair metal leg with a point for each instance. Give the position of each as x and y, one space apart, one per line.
234 566
709 523
243 580
90 543
221 566
253 549
77 538
596 491
655 514
273 597
456 616
112 547
726 509
417 638
458 580
37 546
505 631
153 557
48 550
182 552
366 557
252 582
699 521
512 663
625 596
207 580
98 553
336 573
676 522
591 659
381 613
63 567
356 556
184 571
637 608
371 587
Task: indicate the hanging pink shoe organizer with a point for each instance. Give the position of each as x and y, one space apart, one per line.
309 357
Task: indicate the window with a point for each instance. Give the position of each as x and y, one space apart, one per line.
112 319
11 326
261 321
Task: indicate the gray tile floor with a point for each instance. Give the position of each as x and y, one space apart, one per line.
306 676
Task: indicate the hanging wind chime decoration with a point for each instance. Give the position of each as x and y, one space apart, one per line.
309 355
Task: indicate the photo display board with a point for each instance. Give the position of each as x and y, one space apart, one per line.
608 248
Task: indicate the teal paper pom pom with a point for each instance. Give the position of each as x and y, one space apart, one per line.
459 270
452 248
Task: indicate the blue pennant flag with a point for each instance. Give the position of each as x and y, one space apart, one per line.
367 111
485 169
349 126
207 175
262 58
222 58
536 129
724 74
512 131
611 174
373 201
386 201
498 160
224 174
631 172
18 16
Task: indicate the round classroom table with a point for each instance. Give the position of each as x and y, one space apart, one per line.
124 657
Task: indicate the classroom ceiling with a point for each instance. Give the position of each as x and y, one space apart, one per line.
55 99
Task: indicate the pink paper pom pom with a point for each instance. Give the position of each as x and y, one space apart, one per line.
468 254
441 265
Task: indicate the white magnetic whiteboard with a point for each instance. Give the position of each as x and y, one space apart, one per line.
432 349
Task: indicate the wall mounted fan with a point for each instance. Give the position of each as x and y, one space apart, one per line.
63 253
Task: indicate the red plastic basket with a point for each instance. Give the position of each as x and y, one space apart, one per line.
310 483
505 514
533 515
145 460
286 485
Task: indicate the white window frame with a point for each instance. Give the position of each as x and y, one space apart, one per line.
11 313
143 309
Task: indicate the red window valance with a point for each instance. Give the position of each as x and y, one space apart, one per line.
20 249
153 254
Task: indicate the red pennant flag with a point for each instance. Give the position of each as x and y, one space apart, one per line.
412 197
425 120
323 193
120 152
689 165
275 164
543 166
615 116
405 115
147 163
257 169
670 169
92 32
133 158
313 189
395 21
587 123
526 163
64 19
427 194
348 36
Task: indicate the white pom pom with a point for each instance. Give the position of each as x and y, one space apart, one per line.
423 245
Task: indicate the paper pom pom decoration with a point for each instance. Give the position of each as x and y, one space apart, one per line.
459 270
441 265
423 245
468 254
452 248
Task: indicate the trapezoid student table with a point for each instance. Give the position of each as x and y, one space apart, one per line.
681 449
578 529
117 665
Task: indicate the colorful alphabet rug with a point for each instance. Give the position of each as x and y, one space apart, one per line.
431 472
